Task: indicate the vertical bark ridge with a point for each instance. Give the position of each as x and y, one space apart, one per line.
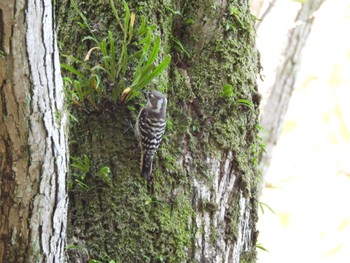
33 170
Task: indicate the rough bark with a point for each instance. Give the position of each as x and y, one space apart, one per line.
33 148
202 206
279 95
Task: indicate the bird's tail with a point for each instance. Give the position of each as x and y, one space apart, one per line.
147 166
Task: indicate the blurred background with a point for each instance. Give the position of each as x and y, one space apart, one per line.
307 183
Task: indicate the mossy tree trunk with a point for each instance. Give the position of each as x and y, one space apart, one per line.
202 203
33 145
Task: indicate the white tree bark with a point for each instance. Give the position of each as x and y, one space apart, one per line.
281 85
33 144
213 224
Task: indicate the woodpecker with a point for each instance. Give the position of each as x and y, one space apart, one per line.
150 127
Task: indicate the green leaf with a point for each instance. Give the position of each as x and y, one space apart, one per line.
189 22
73 118
146 41
67 80
133 94
82 25
75 60
142 28
114 10
155 72
111 45
246 103
259 246
174 12
131 108
180 47
73 70
95 79
260 128
69 187
103 46
91 38
105 170
124 59
112 54
152 27
98 67
104 173
169 125
127 16
117 91
145 72
68 247
227 90
148 200
155 51
82 185
262 205
86 24
81 164
137 54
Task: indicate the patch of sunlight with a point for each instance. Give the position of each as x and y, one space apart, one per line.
289 125
307 81
334 80
334 250
284 219
344 224
326 116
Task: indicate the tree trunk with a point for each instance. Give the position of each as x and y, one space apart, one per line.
202 203
279 95
33 148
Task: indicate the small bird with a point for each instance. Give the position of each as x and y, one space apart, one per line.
150 127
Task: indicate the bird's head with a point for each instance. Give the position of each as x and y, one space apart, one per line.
156 101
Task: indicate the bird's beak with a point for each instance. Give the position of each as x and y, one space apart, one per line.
145 93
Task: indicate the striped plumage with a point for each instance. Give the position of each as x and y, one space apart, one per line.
150 127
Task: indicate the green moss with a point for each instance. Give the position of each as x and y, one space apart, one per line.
233 216
210 207
213 234
215 120
124 220
127 220
248 257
